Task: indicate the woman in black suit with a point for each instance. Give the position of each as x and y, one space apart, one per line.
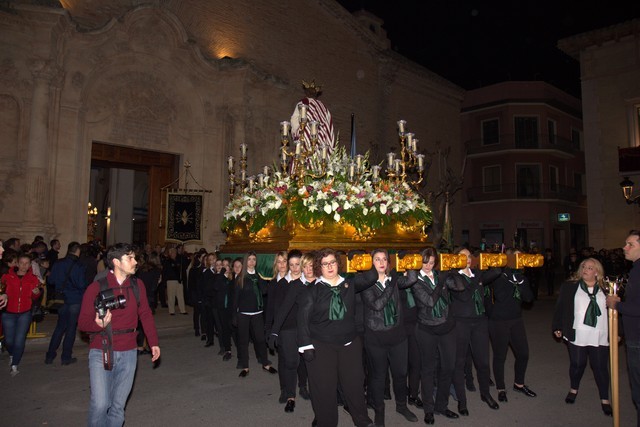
249 306
327 337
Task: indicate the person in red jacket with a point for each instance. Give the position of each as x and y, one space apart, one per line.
112 378
21 287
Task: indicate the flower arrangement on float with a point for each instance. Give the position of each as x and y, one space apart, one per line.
357 198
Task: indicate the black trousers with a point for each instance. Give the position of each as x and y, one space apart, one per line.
381 358
288 361
251 327
333 363
598 358
228 332
503 333
303 376
208 319
199 317
474 333
436 350
414 365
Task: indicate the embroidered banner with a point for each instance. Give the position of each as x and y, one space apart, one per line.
184 217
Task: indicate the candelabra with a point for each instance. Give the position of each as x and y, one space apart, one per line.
409 161
92 214
306 158
240 181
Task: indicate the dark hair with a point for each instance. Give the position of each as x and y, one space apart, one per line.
240 277
53 242
294 253
117 251
386 253
73 247
317 260
635 233
429 252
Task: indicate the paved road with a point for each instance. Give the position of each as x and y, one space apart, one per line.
194 387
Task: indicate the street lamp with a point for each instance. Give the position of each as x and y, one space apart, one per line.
627 190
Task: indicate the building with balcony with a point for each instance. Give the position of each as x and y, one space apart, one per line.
524 173
610 80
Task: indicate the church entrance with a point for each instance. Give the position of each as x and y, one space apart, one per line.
125 197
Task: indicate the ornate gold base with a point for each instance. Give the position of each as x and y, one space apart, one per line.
339 236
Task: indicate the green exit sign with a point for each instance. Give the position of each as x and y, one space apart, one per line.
564 217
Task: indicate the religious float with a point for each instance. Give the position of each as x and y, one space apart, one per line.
318 195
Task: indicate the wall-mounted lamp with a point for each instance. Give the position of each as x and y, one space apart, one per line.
627 191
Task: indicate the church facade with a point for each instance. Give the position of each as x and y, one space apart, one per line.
156 86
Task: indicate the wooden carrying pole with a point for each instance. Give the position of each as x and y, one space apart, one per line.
613 360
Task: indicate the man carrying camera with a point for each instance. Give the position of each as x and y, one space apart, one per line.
110 312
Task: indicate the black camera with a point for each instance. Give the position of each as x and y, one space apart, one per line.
107 300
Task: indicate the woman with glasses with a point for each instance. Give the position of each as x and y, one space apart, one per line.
249 306
331 348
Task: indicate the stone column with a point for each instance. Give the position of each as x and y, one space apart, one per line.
38 186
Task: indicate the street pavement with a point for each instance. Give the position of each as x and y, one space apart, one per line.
192 386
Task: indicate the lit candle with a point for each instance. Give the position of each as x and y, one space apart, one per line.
396 164
359 158
352 167
302 109
298 147
265 171
401 125
414 145
261 180
390 157
284 128
251 179
313 127
243 149
420 158
324 153
376 172
409 139
230 160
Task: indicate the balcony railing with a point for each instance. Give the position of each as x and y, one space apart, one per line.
509 141
524 192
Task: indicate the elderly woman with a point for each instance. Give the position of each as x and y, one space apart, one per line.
580 320
331 348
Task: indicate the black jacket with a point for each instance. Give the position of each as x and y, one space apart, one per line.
500 302
426 299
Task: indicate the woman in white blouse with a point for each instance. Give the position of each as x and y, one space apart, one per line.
581 320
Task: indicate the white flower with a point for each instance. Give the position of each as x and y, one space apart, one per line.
313 208
383 209
365 211
327 208
334 205
336 217
346 205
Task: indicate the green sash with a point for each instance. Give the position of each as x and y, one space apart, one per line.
593 311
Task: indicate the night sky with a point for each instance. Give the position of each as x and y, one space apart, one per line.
478 43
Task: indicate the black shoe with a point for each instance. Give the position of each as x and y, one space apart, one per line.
203 337
462 408
489 401
525 390
448 413
571 397
471 387
290 406
405 412
208 344
227 356
172 314
244 373
69 362
606 408
415 401
185 313
502 396
428 418
270 369
48 361
304 393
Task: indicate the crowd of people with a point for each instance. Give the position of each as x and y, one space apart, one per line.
339 339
